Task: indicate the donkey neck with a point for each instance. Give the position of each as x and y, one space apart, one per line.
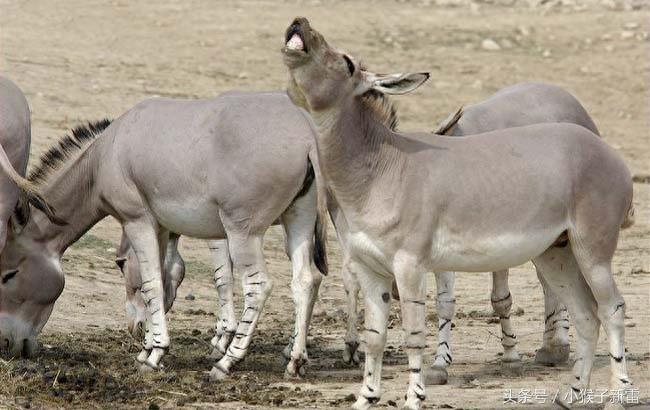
73 194
357 152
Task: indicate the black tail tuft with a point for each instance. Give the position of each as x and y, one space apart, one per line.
320 247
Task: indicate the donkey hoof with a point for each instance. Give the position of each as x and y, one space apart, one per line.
512 367
296 369
142 356
562 403
412 404
552 356
146 368
436 376
351 354
361 404
217 375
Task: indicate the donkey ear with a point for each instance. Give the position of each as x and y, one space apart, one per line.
22 213
394 83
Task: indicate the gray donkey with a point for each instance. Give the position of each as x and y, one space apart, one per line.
16 193
520 104
176 166
516 105
555 194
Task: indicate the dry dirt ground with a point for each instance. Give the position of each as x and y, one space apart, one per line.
82 60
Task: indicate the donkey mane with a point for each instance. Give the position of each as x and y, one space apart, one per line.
382 107
78 139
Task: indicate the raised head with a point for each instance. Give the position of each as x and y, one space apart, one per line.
322 77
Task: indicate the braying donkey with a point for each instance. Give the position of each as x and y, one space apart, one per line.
520 104
462 203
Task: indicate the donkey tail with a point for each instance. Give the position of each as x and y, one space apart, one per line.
445 127
29 192
320 229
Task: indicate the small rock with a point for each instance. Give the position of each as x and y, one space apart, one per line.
190 297
391 403
546 53
490 45
519 311
627 34
507 43
630 324
350 397
523 30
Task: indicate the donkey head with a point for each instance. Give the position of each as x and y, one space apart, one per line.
30 282
321 77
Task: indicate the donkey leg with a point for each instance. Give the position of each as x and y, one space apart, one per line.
611 313
299 221
561 272
351 285
413 296
555 342
445 306
376 292
224 283
145 240
501 299
248 260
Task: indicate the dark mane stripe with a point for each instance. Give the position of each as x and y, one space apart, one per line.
69 144
383 108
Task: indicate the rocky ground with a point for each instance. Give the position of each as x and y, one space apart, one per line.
84 60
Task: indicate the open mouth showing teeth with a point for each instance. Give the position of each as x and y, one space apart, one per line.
294 39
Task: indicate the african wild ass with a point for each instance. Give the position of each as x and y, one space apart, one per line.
16 194
555 194
178 166
516 105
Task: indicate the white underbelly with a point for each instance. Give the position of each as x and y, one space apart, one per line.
195 219
485 254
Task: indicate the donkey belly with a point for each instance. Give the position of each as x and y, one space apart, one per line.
485 253
198 219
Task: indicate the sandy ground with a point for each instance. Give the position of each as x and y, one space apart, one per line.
84 60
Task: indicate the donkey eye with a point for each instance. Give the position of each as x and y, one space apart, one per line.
6 278
349 63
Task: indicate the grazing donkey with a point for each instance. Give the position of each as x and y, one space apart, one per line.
179 166
16 193
552 193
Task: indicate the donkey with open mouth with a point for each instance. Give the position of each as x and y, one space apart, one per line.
519 104
177 166
474 203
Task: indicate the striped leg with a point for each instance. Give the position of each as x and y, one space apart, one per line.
146 243
376 293
224 283
351 285
445 306
413 296
299 221
555 344
248 261
501 299
561 273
